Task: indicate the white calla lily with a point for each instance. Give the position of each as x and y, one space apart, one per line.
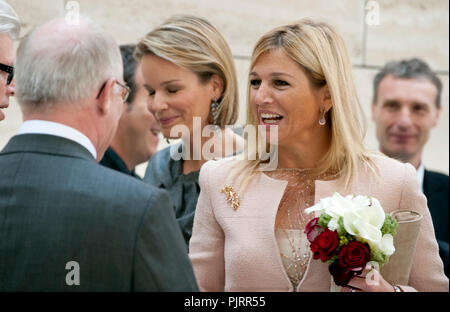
355 224
365 220
376 213
340 205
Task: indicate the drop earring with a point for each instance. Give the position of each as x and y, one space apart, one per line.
167 140
215 114
322 120
215 111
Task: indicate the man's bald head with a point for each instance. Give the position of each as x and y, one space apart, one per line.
61 63
58 33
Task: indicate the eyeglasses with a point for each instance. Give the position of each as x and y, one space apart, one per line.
125 90
8 69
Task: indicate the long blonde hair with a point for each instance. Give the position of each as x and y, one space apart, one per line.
321 52
193 43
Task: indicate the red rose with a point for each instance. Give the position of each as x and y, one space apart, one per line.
353 258
324 245
312 229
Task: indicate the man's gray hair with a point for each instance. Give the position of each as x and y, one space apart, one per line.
9 21
60 63
414 68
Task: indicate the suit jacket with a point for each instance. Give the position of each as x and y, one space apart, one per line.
58 205
236 250
436 189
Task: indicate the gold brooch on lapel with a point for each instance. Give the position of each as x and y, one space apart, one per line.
232 196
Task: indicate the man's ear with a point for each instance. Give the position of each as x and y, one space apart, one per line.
105 97
217 85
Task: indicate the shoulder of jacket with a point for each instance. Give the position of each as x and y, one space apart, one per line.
390 167
438 175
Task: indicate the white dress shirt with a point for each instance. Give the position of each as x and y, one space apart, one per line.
420 174
57 129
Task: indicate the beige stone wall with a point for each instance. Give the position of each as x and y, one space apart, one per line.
406 28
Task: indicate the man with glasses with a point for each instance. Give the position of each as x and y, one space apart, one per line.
67 223
9 31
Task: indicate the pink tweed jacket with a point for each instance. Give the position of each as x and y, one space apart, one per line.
236 250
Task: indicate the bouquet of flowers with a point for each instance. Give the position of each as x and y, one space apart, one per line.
350 232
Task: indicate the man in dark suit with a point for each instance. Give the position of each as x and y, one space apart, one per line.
67 223
405 107
136 137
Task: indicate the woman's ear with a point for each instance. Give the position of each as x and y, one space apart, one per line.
105 97
326 98
217 86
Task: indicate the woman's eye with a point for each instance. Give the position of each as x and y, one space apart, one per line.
150 91
172 90
255 82
280 83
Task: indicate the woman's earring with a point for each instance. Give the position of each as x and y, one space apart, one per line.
322 120
215 111
167 140
215 114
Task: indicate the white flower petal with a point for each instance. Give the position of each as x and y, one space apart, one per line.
367 230
376 214
339 206
317 207
361 201
386 244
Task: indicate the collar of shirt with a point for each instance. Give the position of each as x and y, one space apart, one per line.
112 160
420 174
57 129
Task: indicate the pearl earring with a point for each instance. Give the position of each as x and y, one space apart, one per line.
322 120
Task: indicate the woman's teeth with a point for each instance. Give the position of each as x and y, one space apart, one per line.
271 118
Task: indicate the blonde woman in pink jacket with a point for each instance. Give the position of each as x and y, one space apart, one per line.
248 232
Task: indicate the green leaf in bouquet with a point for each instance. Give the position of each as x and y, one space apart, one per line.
389 225
378 256
333 259
324 219
341 228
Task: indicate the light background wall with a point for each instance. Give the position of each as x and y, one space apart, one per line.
407 28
